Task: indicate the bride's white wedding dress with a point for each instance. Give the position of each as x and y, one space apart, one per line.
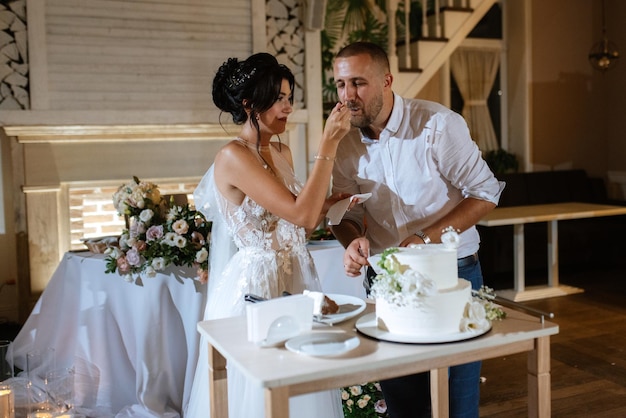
269 256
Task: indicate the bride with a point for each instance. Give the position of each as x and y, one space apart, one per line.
260 209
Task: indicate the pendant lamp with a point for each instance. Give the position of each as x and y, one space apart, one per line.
604 54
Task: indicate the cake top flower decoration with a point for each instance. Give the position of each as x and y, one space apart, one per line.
450 237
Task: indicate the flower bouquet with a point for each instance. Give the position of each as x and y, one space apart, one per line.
158 234
363 401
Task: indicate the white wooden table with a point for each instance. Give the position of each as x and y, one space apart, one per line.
518 216
283 374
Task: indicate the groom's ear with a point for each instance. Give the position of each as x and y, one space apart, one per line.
388 80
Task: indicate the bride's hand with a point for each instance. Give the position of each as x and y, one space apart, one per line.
338 123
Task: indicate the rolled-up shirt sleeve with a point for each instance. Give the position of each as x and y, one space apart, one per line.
460 161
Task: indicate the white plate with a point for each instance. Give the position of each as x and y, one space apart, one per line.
349 307
323 344
368 325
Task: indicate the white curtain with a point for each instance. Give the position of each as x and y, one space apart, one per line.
475 70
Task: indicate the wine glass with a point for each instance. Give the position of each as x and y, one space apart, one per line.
60 389
38 363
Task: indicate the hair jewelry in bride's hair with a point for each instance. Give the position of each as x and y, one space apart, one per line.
239 77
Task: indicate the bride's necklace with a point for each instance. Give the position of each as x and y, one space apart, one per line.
253 145
260 148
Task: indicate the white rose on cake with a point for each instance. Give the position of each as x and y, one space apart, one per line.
474 318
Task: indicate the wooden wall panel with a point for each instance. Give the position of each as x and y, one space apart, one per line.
147 55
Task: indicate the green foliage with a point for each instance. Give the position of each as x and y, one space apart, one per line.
384 257
501 161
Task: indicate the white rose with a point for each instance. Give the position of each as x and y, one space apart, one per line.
124 241
113 252
146 215
180 241
158 263
356 390
170 239
474 318
202 255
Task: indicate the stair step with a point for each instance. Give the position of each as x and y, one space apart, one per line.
457 9
432 39
450 8
410 70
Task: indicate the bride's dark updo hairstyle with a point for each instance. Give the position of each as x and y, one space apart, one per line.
257 80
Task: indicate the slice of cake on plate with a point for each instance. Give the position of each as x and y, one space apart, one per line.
322 304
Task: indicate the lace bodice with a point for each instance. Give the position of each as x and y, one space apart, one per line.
252 226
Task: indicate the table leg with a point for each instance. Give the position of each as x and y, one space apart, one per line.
439 393
539 396
277 402
218 384
552 288
518 258
553 254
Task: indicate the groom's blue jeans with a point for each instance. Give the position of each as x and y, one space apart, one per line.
409 396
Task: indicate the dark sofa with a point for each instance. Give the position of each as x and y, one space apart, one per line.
582 242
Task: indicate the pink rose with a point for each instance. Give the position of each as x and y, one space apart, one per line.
154 233
133 257
203 276
180 227
380 406
137 228
122 265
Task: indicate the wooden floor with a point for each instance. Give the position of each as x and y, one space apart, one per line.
588 354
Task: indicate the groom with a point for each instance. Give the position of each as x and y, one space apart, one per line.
425 173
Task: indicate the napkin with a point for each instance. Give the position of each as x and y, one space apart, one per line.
261 315
336 211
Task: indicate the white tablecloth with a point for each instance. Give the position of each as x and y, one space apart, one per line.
134 347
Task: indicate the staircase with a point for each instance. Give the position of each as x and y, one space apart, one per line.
443 29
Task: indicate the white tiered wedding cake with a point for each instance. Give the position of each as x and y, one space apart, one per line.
418 292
